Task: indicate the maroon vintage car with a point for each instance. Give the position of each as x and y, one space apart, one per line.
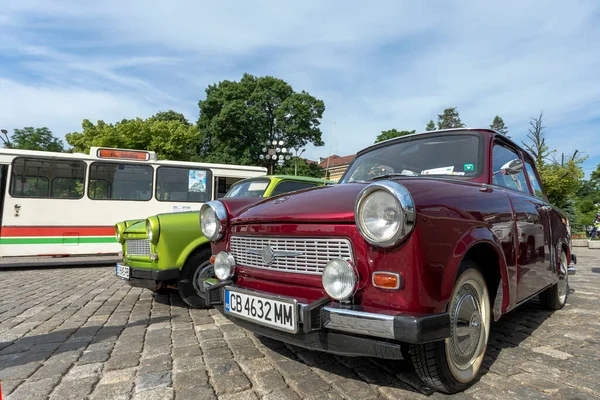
426 240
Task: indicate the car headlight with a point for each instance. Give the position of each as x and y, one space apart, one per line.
224 265
119 232
152 229
384 213
213 220
339 279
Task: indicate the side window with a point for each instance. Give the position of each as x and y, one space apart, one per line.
537 188
183 184
40 178
290 186
500 156
114 181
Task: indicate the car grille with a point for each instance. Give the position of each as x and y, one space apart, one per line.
311 254
138 247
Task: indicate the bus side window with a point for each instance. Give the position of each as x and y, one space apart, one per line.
115 181
41 178
183 184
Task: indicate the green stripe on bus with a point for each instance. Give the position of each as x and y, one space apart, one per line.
58 240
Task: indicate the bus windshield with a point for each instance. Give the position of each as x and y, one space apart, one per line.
252 188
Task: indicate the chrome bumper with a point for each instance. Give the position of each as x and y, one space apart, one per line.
325 315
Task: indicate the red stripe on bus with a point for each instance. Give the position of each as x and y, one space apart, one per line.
25 231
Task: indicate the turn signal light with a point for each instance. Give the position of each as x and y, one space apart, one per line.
212 259
387 280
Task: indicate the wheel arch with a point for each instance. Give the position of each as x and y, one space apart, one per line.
483 248
195 246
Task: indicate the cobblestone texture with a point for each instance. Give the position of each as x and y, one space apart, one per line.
75 333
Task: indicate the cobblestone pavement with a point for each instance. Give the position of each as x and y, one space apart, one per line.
75 333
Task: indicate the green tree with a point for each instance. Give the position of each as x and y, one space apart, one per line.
237 118
430 126
30 138
305 168
170 139
499 126
392 133
449 119
169 116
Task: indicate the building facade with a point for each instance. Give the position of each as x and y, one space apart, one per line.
335 165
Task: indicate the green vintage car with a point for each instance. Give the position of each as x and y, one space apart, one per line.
168 251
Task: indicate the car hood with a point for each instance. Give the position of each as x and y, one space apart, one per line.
335 204
325 203
137 227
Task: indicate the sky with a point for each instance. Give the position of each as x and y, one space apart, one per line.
377 65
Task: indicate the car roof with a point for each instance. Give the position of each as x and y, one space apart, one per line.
290 177
485 131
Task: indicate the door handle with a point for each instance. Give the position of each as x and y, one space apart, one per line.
17 206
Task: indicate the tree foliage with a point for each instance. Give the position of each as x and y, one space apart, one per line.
392 133
170 139
168 116
499 126
430 126
30 138
449 119
237 118
304 168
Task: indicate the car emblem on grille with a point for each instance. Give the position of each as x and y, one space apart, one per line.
269 255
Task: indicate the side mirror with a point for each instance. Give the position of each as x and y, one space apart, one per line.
512 167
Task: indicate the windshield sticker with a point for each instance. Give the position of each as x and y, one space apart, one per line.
438 171
197 181
469 167
409 172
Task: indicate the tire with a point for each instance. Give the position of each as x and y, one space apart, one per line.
185 286
555 297
451 365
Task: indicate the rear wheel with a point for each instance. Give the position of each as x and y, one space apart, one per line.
555 297
452 365
185 286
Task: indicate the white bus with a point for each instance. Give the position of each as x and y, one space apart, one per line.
61 204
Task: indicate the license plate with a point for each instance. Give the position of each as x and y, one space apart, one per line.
274 312
122 271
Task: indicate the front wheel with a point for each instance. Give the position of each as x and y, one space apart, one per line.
185 286
451 365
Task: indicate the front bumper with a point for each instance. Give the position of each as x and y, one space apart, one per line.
345 330
151 278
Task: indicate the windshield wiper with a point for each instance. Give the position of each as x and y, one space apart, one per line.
391 175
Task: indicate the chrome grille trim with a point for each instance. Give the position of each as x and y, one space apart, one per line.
317 252
138 247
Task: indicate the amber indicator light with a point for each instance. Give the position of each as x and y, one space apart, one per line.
387 280
124 154
212 259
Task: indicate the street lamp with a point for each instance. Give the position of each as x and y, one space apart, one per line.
296 160
274 152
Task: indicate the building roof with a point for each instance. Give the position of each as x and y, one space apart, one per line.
336 161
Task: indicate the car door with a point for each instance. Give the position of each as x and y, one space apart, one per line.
531 223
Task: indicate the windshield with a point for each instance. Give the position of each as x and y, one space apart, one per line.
252 188
450 154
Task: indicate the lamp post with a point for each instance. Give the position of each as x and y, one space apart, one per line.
274 152
7 140
296 160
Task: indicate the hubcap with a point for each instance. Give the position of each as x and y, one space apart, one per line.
202 273
465 341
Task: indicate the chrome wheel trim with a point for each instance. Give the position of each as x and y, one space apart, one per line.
202 273
563 279
470 320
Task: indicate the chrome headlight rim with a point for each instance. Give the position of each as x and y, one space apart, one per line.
404 199
230 261
354 272
153 229
221 215
119 233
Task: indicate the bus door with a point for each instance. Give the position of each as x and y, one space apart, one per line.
3 177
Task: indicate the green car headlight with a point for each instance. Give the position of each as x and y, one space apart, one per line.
153 229
119 229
